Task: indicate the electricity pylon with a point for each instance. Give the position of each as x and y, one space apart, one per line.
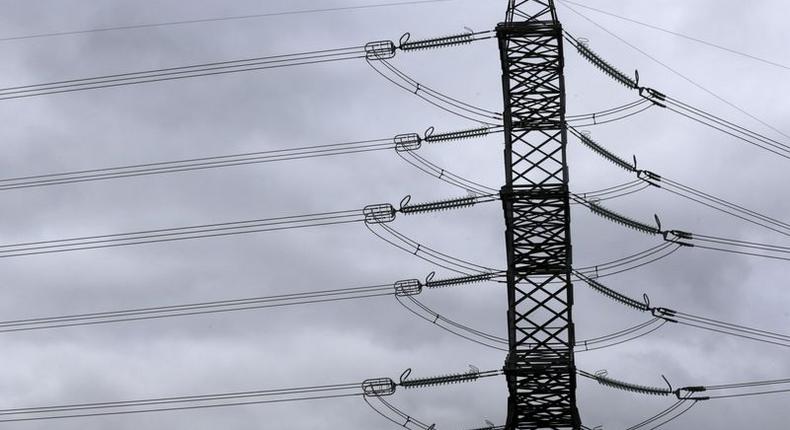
540 369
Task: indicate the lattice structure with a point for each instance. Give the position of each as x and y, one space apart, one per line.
540 366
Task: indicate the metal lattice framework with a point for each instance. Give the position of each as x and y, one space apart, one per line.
540 367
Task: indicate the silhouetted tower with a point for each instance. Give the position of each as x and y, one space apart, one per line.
540 365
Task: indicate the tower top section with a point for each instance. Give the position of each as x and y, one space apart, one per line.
531 10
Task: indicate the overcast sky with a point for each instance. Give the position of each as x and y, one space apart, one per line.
338 102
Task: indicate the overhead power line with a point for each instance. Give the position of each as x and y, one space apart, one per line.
692 240
376 50
499 343
676 317
193 164
676 106
696 392
678 34
399 289
474 188
201 308
371 214
659 181
675 71
374 388
484 116
180 233
406 142
182 72
224 18
180 403
469 268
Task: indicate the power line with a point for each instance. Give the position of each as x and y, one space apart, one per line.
687 239
668 411
193 164
728 127
685 191
182 72
676 317
201 308
657 98
78 410
484 116
219 19
675 33
371 214
499 343
180 233
377 50
444 175
468 268
397 143
674 71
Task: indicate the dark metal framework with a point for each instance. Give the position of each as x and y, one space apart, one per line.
540 367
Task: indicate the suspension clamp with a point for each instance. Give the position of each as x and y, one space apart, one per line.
664 313
407 142
408 287
378 387
649 177
379 214
678 236
380 50
656 97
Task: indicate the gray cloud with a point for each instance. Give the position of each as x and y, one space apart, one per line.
340 102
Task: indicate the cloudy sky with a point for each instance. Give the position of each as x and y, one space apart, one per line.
340 102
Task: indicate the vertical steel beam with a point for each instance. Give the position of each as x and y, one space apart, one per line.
540 367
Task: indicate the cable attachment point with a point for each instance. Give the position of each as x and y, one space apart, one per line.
407 142
678 236
430 137
472 375
378 387
607 68
441 205
430 283
690 390
656 97
408 287
649 177
380 50
379 214
665 314
439 42
620 219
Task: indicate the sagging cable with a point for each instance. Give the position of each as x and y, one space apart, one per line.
397 416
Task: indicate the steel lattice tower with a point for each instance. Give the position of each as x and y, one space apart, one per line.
540 365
